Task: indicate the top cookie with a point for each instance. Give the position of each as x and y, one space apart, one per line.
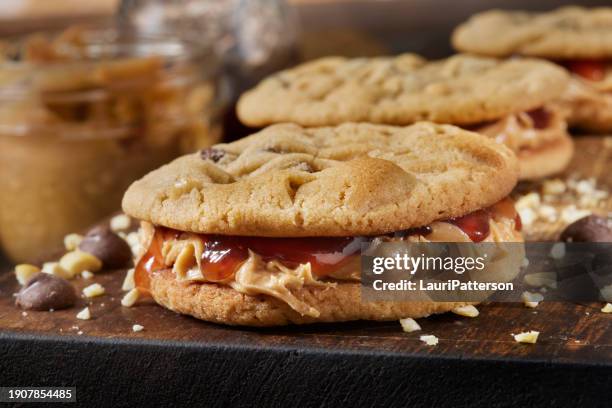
355 179
401 90
566 33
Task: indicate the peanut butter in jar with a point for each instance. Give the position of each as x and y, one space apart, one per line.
82 115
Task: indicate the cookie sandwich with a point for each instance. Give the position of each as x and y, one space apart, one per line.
267 230
576 38
510 101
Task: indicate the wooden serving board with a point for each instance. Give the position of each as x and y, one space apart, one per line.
177 360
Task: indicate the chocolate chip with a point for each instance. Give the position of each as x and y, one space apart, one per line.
212 154
108 247
45 292
589 229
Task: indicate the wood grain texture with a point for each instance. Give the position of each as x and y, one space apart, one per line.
577 333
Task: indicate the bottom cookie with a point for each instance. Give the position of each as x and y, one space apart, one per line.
547 160
222 304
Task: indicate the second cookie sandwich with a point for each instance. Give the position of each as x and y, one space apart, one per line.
509 101
267 230
577 38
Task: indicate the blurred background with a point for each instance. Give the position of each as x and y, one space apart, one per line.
115 88
391 25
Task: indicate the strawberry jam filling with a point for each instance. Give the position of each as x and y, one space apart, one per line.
223 254
593 70
541 118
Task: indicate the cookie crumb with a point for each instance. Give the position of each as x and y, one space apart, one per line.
409 325
84 314
120 222
137 328
607 308
530 337
24 314
130 298
128 282
94 290
429 339
466 311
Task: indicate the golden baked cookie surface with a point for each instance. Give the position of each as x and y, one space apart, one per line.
401 90
568 32
354 179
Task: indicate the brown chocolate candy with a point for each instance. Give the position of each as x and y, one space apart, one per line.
592 228
212 154
108 247
45 292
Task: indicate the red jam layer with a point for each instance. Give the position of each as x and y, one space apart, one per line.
224 254
541 118
593 70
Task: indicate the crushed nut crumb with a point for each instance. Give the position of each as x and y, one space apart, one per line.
128 282
54 268
120 222
531 299
84 314
23 272
429 339
530 337
467 311
541 279
557 251
75 262
72 241
130 298
137 328
93 290
409 325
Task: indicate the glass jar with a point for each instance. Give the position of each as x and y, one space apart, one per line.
253 38
85 113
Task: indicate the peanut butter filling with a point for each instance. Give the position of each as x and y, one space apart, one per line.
528 130
255 276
